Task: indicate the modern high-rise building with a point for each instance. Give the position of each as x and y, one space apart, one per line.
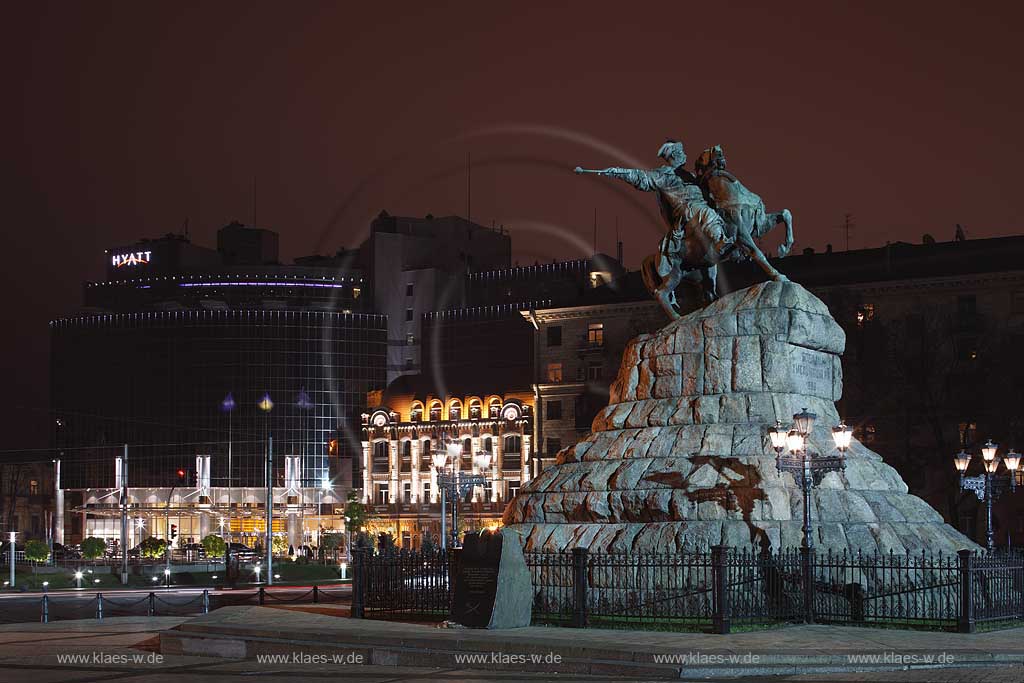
189 366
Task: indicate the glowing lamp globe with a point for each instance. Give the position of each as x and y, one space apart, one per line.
842 435
961 460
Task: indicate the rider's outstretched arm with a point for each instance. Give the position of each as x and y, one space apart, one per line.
639 178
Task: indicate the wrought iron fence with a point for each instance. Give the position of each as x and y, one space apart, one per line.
723 588
405 584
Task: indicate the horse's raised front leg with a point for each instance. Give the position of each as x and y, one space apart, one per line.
785 216
746 242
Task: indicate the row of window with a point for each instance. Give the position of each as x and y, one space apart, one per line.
383 496
455 410
595 335
591 372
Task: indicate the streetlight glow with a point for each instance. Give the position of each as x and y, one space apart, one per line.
842 435
961 460
988 451
778 434
794 441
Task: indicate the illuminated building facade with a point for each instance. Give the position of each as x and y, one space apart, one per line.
403 430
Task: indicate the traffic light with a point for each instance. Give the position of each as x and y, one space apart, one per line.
181 476
174 531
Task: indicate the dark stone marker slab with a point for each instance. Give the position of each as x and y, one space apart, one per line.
492 582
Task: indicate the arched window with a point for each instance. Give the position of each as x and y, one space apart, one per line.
494 408
380 457
416 412
474 409
435 411
488 444
455 410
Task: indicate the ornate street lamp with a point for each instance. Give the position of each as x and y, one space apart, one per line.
794 456
455 484
989 485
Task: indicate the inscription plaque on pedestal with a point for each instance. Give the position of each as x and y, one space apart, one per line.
491 586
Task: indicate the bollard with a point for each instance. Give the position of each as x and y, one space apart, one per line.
152 604
720 589
99 606
316 595
206 601
807 579
579 585
261 597
46 609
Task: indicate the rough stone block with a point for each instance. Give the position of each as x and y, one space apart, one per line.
732 408
718 365
668 386
794 369
693 373
705 409
668 365
746 364
814 331
689 337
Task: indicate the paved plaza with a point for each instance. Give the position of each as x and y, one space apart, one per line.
298 645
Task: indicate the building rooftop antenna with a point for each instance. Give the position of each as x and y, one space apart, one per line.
847 227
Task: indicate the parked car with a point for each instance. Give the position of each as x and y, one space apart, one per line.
242 552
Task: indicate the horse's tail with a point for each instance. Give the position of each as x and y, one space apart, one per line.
649 273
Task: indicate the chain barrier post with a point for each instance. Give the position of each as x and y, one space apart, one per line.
99 606
46 609
316 595
206 601
152 604
262 595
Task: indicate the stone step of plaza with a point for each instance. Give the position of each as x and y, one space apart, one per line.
302 636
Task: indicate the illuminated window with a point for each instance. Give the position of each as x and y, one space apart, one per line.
455 411
865 313
474 409
555 335
416 414
356 291
494 409
33 487
332 447
967 431
513 487
407 492
410 339
435 411
382 494
595 334
554 372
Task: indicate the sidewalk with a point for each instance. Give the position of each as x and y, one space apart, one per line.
250 632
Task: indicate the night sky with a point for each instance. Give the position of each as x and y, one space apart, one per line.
122 121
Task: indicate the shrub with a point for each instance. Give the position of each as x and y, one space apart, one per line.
37 551
214 545
93 548
153 547
280 545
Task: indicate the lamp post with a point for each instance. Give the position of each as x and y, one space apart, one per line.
266 405
989 485
13 536
794 456
454 484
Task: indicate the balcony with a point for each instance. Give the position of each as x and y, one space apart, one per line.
586 345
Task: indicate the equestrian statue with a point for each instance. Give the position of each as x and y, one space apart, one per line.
710 217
